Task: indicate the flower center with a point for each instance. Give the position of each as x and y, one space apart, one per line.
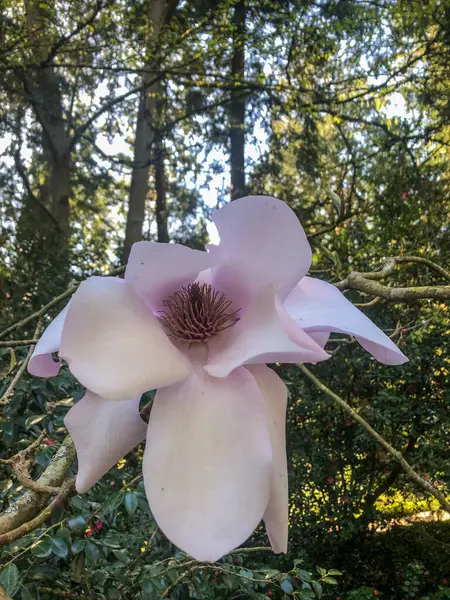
197 312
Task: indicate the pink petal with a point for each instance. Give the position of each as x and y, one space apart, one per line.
261 242
318 306
114 344
41 362
207 463
157 270
265 333
103 432
275 397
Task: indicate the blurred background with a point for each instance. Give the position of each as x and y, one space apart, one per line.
128 120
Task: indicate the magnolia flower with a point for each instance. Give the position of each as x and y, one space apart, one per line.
199 327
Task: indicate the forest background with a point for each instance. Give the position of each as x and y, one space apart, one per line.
123 120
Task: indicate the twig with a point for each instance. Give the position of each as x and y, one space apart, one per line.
367 304
66 490
375 435
16 343
44 310
10 390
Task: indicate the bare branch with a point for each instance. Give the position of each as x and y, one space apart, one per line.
31 503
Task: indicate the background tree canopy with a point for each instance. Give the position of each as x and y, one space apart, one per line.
128 120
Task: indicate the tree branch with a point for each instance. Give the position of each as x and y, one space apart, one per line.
406 467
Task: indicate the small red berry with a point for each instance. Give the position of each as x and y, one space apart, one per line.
345 499
270 593
89 532
444 581
98 525
332 459
113 483
50 442
376 593
330 480
348 422
356 389
7 295
216 573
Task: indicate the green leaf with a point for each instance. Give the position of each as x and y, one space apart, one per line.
287 587
272 574
59 547
122 556
78 545
64 534
29 592
77 525
112 503
131 502
91 552
43 548
44 572
317 588
330 580
9 578
34 420
334 572
304 575
322 571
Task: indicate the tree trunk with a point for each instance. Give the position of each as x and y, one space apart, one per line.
160 189
159 12
237 109
46 98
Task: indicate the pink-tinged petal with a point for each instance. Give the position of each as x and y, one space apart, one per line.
207 463
318 306
276 516
157 270
114 344
41 362
261 242
103 432
265 334
321 337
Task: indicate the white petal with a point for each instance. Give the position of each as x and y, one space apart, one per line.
265 334
103 432
41 362
318 306
207 463
157 270
261 243
114 344
275 397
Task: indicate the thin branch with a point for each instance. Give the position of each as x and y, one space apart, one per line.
17 343
10 390
44 310
422 483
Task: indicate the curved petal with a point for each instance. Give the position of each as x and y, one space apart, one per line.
266 333
276 516
207 462
103 432
114 344
41 362
157 270
318 306
261 242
